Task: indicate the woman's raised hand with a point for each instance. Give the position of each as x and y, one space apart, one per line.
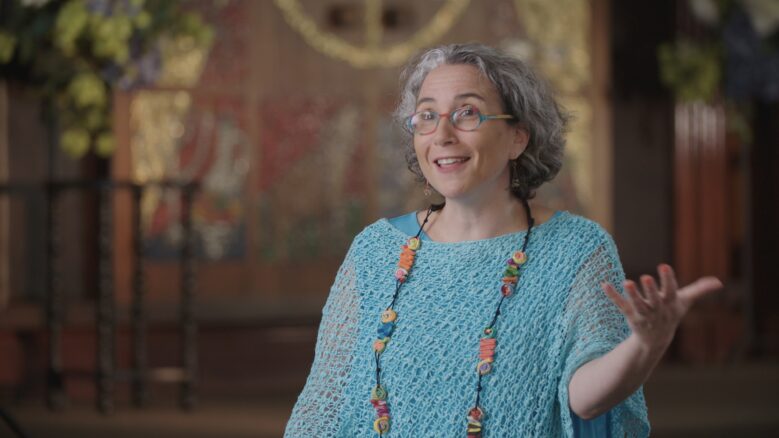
653 313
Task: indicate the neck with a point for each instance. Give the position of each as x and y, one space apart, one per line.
480 219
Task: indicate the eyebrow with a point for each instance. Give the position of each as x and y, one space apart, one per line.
458 97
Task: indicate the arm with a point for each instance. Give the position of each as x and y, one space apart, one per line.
653 317
319 410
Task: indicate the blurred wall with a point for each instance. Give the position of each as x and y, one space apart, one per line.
295 146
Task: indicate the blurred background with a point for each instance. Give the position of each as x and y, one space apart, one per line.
180 180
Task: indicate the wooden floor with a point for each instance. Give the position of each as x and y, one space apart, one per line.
741 401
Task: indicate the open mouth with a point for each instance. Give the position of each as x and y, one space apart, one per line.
450 161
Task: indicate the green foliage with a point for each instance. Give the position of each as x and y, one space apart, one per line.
77 52
7 46
692 71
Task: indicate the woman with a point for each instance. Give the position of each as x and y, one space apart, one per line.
482 316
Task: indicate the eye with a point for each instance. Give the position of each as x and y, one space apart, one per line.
467 112
426 115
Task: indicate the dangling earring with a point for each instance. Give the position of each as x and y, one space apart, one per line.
428 191
515 181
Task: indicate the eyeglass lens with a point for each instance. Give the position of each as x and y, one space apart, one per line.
466 118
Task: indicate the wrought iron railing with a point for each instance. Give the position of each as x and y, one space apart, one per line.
105 374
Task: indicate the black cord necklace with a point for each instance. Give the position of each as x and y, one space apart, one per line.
488 339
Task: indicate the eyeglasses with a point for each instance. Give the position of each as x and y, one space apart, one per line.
466 118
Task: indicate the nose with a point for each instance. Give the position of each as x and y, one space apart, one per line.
445 134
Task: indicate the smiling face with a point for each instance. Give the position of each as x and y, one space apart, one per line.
463 165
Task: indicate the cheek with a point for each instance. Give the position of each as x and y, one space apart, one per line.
493 159
420 151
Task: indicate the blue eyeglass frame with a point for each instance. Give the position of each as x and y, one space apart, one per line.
450 116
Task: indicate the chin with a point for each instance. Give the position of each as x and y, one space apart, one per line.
449 192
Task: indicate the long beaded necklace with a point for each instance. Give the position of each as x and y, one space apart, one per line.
487 342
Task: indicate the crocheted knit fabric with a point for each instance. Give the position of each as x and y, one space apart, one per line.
557 320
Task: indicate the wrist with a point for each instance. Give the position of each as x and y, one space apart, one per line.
650 348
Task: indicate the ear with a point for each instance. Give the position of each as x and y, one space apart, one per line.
521 139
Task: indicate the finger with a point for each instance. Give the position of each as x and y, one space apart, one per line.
635 297
667 282
617 299
650 290
700 288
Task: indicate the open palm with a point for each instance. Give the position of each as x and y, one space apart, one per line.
653 313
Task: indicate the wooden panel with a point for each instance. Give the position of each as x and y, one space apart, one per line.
701 191
712 330
5 281
684 202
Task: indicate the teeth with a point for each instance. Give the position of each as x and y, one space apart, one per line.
445 161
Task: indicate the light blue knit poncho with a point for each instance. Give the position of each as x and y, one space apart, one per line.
557 320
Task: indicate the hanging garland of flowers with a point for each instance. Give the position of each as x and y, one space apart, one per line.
76 52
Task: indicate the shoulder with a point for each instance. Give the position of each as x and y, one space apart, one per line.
381 228
574 230
374 236
577 245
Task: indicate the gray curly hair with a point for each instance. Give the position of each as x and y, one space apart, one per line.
525 96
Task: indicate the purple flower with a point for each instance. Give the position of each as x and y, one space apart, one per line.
99 7
149 66
751 71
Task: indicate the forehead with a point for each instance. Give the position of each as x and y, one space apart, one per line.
444 83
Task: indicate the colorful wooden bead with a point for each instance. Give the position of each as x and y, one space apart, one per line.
510 280
489 342
489 332
475 414
379 345
520 257
381 425
400 274
382 410
507 289
414 243
487 351
378 393
487 355
385 330
484 367
388 315
487 348
407 253
406 258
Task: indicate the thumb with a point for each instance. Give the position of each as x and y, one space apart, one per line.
700 288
